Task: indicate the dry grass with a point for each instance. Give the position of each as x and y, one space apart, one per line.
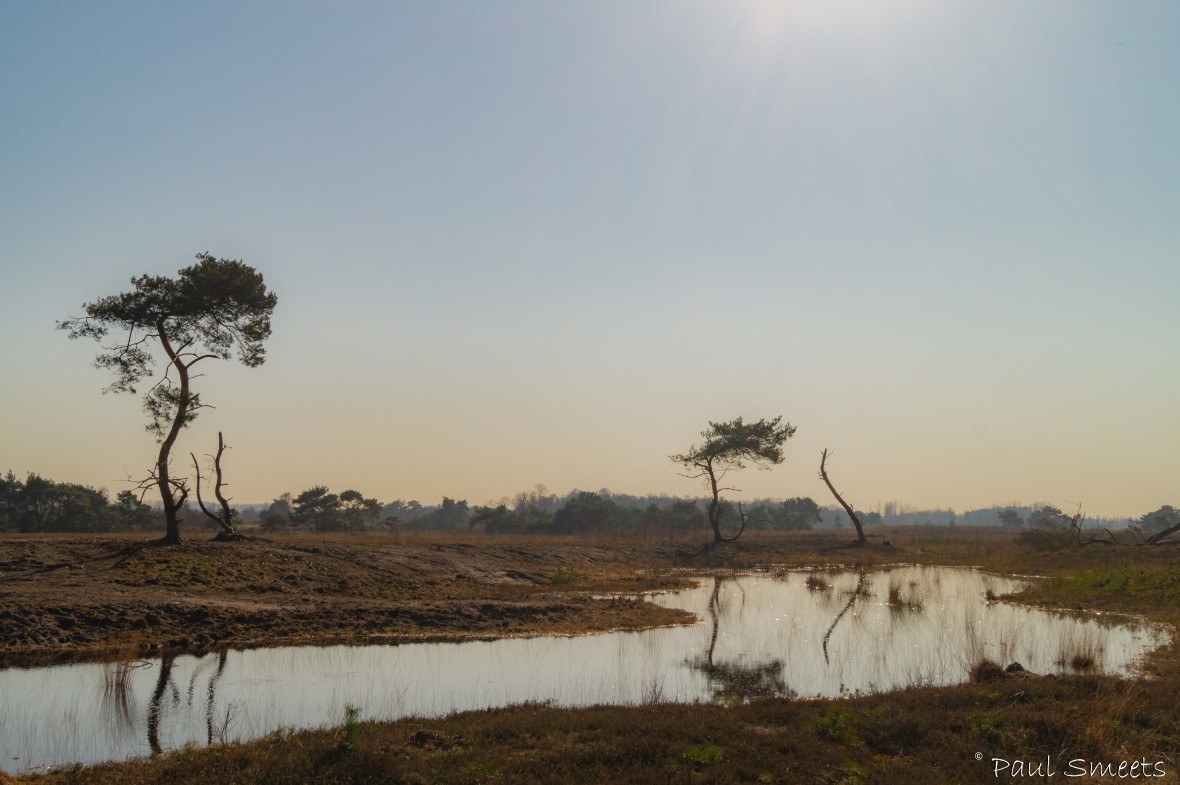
1081 652
903 598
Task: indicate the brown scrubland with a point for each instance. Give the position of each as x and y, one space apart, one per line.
72 597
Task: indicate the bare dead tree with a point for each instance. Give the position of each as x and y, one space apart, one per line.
823 474
1158 537
1075 527
225 519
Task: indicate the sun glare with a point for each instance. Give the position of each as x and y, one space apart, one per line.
770 23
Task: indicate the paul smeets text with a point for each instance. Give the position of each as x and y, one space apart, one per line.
1077 767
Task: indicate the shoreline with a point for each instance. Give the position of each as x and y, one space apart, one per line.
483 588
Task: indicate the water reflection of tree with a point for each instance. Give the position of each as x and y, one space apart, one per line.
858 592
163 682
211 731
166 689
222 656
736 679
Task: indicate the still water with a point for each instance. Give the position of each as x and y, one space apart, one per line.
788 634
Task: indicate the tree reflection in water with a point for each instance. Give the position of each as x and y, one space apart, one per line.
857 593
163 682
209 703
166 689
740 680
212 732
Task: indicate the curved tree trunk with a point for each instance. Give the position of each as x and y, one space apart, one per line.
172 501
714 505
860 531
715 510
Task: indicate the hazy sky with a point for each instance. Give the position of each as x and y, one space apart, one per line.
541 242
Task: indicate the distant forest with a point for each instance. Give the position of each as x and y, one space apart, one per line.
37 504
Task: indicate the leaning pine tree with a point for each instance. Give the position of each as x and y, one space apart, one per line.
728 446
211 310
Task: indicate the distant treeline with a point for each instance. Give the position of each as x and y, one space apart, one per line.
898 514
37 504
604 511
529 512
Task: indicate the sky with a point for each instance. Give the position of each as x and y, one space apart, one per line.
533 242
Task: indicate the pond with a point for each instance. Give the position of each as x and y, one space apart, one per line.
794 634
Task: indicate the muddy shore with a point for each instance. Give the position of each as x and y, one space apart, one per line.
68 598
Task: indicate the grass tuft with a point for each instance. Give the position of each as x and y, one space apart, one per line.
350 731
817 583
704 757
839 725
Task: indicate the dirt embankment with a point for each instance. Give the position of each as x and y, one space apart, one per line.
77 597
98 596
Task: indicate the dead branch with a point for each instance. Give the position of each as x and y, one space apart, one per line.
823 474
152 480
225 519
746 516
1157 538
225 508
